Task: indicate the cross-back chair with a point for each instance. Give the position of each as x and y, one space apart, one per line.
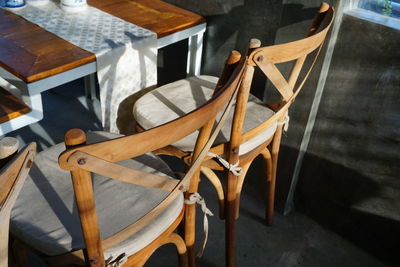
14 168
256 128
122 211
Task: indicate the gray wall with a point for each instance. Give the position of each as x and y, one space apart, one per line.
230 25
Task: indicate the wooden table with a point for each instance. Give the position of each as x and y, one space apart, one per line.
34 60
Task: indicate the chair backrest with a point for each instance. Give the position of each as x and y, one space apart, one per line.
266 59
82 159
14 168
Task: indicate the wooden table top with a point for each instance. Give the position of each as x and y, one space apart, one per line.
154 15
31 53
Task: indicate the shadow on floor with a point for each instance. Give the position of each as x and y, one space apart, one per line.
350 204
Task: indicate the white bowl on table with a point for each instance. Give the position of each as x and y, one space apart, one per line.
14 4
73 6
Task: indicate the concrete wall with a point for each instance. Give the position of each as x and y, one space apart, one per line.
230 25
350 176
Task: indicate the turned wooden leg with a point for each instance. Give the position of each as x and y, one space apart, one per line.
270 200
269 211
230 221
189 221
271 161
239 187
230 234
180 247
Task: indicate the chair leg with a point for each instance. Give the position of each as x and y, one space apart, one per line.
230 221
230 234
270 175
239 187
271 200
271 165
189 224
181 248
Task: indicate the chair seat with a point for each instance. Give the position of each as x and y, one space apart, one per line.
45 215
173 100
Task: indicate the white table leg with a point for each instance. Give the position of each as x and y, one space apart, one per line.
90 86
35 103
194 54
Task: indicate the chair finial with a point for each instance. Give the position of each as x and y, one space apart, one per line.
75 137
8 146
234 57
254 43
323 7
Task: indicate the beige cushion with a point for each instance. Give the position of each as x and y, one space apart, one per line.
173 100
45 215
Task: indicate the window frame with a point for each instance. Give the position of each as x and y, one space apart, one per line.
365 14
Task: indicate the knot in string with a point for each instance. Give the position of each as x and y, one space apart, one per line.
234 168
285 122
117 262
196 198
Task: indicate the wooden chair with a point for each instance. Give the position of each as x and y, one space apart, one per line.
117 221
256 128
14 168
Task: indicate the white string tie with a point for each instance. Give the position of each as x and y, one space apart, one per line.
234 168
117 262
285 122
196 198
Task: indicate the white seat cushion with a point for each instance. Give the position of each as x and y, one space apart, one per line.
45 215
173 100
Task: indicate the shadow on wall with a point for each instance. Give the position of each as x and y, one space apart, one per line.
340 199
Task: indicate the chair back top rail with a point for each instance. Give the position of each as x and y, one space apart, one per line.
116 150
266 58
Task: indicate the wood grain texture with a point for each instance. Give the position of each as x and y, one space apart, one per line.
154 15
11 107
32 53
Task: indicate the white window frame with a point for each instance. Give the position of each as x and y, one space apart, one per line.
361 13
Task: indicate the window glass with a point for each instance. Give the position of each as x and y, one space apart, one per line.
385 7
